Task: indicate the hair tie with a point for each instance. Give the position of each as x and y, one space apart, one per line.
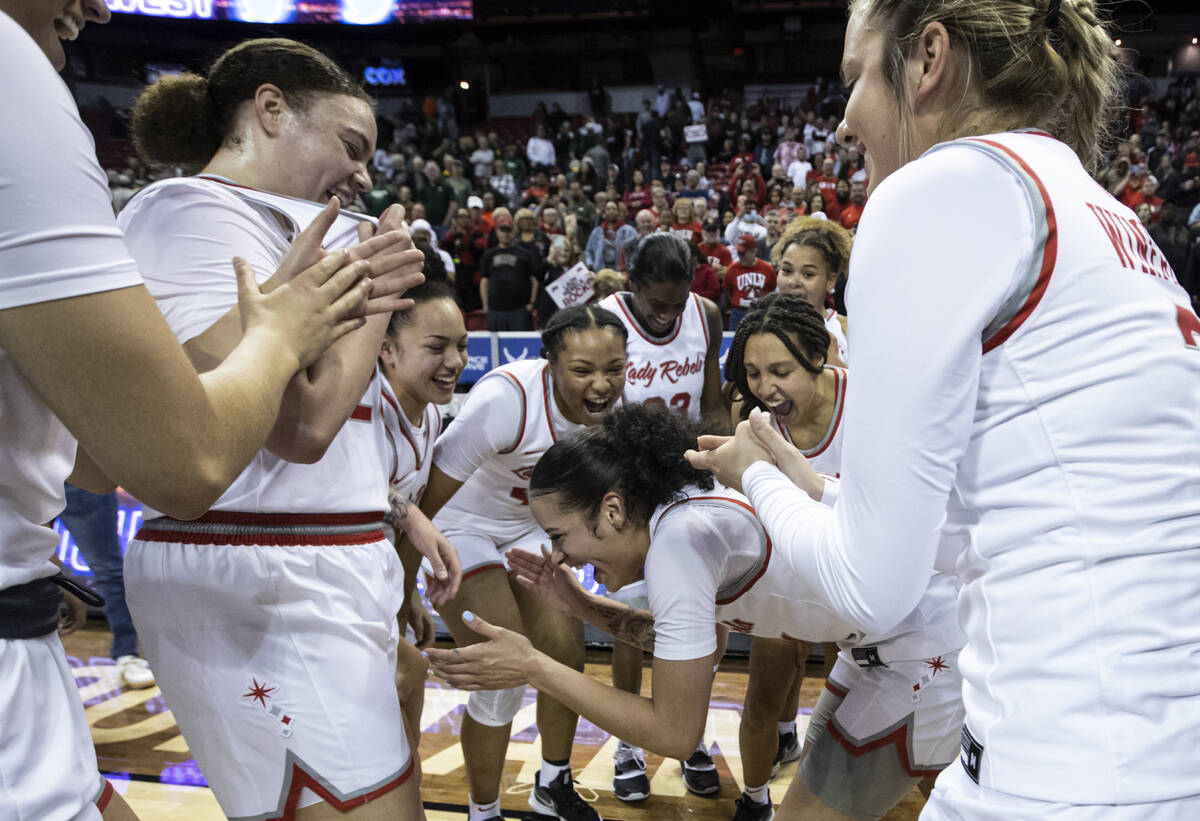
1052 14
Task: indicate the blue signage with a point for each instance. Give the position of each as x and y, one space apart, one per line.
517 347
479 358
384 76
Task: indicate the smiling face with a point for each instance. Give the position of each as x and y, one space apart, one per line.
589 374
424 358
777 380
49 22
327 147
872 110
658 304
804 272
614 546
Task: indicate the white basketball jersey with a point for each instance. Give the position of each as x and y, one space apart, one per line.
670 369
834 326
1080 485
183 232
409 447
495 498
931 629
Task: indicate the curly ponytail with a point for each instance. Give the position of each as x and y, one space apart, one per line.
186 118
638 451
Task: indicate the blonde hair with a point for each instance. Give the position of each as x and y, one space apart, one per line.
606 283
831 240
1030 65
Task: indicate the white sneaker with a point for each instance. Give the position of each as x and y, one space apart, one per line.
135 672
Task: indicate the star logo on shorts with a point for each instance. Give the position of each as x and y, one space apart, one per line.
937 665
260 692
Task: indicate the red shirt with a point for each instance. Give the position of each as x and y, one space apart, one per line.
636 199
850 215
705 282
716 253
747 285
690 231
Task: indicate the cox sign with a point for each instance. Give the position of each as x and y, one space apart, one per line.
384 76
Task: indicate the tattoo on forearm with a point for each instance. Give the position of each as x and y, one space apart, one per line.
631 626
398 510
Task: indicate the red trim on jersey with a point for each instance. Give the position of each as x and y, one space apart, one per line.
362 413
301 779
766 558
546 390
836 690
1049 253
896 738
1038 133
839 397
237 517
106 795
521 391
703 322
148 534
637 326
404 429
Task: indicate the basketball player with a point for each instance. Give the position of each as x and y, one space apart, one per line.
809 257
478 497
622 498
87 359
674 359
1051 410
252 614
420 361
775 361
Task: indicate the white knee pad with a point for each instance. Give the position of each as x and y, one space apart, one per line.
495 708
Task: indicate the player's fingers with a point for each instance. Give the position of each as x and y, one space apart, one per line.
366 230
387 263
482 627
386 305
310 239
766 434
350 304
378 245
699 459
247 283
392 218
710 442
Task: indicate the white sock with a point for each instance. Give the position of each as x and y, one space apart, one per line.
759 795
482 812
786 727
551 771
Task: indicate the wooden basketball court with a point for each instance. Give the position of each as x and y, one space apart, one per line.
140 748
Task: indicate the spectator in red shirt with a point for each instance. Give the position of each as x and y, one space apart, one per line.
704 279
747 280
714 251
747 180
826 180
853 211
683 222
638 195
744 155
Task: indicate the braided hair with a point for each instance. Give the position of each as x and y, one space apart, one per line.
797 324
574 320
637 451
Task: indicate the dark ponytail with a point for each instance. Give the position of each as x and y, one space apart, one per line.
638 451
661 257
185 118
796 323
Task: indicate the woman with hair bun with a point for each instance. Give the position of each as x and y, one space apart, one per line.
478 496
809 257
621 497
257 608
1050 411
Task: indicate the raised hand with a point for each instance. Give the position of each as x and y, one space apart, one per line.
786 456
554 582
728 457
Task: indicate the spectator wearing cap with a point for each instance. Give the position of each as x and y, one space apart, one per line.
746 221
508 279
481 217
425 239
606 240
705 281
540 150
747 280
852 212
713 249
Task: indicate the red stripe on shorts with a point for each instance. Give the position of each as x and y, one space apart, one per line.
301 779
896 738
106 795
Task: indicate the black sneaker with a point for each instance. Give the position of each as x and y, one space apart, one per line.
789 750
700 775
629 773
748 810
558 799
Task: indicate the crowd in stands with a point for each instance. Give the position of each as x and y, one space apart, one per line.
508 215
